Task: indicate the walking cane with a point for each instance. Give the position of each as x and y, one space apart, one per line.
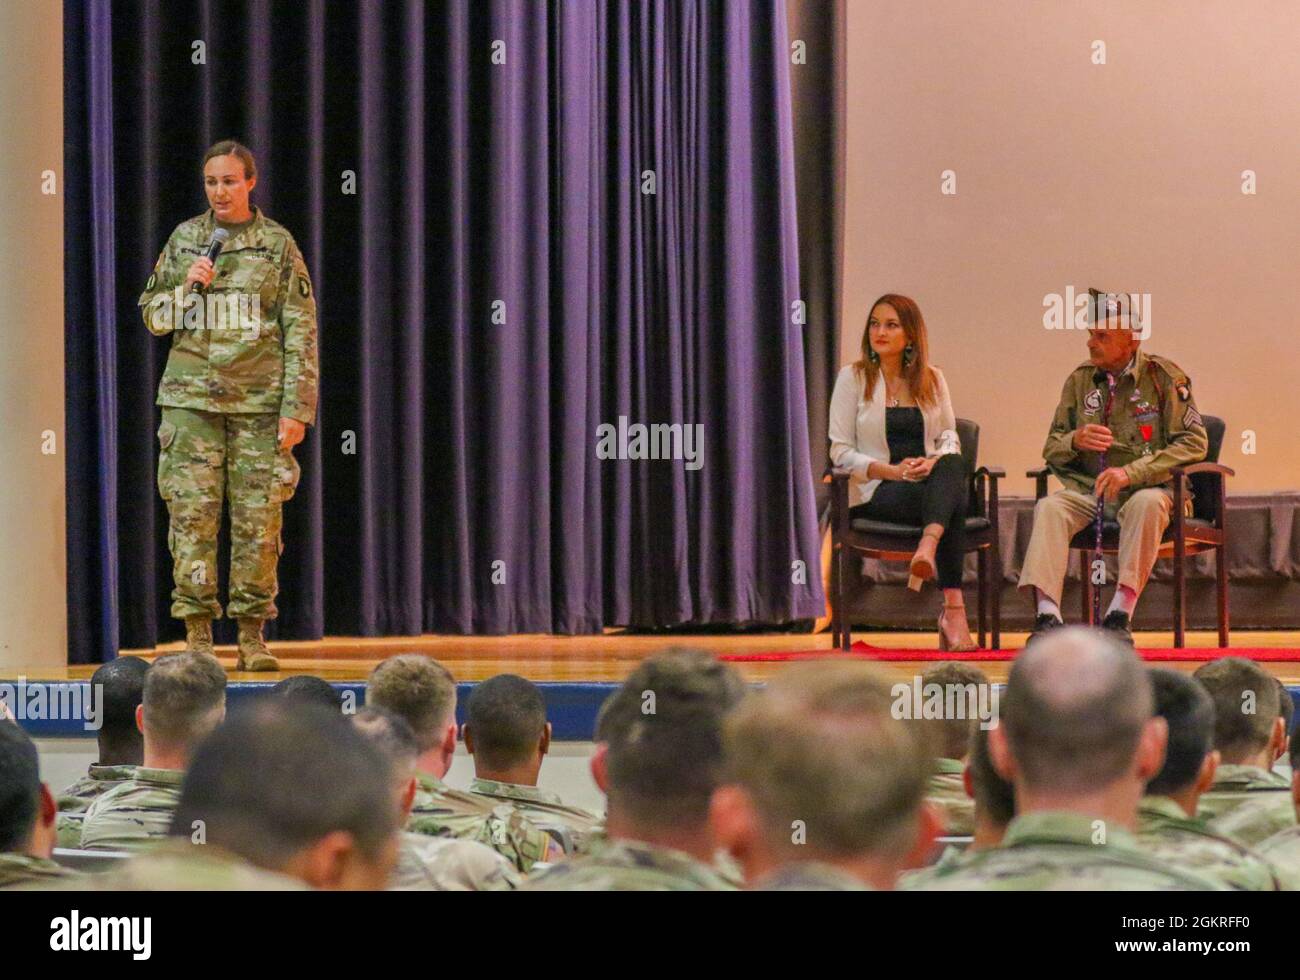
1101 502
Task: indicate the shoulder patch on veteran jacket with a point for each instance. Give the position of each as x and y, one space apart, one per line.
303 287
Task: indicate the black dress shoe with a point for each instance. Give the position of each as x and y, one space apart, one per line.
1044 623
1116 622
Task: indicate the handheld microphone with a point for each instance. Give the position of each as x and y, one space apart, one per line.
218 241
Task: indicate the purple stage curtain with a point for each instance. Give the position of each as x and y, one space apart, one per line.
525 221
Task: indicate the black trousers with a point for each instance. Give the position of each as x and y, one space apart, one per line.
941 498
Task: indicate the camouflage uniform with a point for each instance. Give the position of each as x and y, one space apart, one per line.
948 793
1168 834
22 871
178 865
76 799
1283 849
445 865
1055 851
225 387
950 860
810 876
540 806
627 865
1248 804
440 811
131 816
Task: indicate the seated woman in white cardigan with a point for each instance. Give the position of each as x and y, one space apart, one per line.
892 424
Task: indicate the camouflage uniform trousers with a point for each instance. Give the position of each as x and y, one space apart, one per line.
203 457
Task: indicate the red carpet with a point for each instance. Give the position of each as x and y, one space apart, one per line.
864 651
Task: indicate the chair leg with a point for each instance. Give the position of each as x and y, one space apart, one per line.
844 613
995 590
981 596
835 595
1085 588
1180 593
1221 591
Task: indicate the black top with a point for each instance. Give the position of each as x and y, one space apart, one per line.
905 433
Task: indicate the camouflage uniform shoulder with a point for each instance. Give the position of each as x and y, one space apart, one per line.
97 781
133 814
810 876
24 871
1167 833
949 861
1283 850
624 865
447 864
502 828
178 865
947 791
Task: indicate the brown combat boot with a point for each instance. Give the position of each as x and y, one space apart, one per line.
198 634
253 654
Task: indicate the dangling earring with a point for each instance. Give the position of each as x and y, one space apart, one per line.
909 353
872 356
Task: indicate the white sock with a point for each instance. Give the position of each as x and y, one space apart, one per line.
1047 606
1125 600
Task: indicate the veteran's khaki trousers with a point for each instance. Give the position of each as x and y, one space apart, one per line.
1059 517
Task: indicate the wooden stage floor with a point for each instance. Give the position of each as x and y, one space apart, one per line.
611 656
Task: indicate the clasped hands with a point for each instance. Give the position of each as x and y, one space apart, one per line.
914 469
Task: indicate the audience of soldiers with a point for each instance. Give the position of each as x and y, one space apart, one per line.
1094 772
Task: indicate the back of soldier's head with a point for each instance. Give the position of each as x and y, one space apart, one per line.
120 683
184 698
820 749
506 716
1186 707
388 732
995 797
279 776
1246 705
1075 708
305 687
20 787
960 685
420 690
663 735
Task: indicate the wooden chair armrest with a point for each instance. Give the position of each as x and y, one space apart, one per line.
1191 468
1039 475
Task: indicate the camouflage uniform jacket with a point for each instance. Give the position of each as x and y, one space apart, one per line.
76 799
1166 832
540 806
948 793
440 811
262 360
951 859
1248 804
1283 849
24 871
628 865
134 814
178 865
1153 418
445 864
1055 851
810 876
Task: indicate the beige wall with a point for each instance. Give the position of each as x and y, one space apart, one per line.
33 584
1126 176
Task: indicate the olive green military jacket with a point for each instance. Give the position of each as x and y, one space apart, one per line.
1060 851
1166 832
1248 804
250 344
1153 418
76 799
134 814
627 865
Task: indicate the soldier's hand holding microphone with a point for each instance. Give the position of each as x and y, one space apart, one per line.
201 272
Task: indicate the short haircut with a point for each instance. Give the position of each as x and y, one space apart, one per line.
121 686
663 734
1286 705
820 749
995 797
1075 707
305 687
952 735
1186 707
420 690
182 692
20 787
392 736
232 148
506 715
279 776
1246 705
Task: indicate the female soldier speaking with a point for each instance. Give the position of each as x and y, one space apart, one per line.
236 395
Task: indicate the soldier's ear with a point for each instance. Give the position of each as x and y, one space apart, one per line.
966 782
1150 757
1000 753
139 718
600 767
544 745
1209 766
734 826
467 738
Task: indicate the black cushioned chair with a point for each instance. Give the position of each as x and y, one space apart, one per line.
897 542
1205 530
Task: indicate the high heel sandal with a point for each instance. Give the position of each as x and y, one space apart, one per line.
947 645
922 567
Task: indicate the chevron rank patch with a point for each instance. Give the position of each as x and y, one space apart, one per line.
1192 417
